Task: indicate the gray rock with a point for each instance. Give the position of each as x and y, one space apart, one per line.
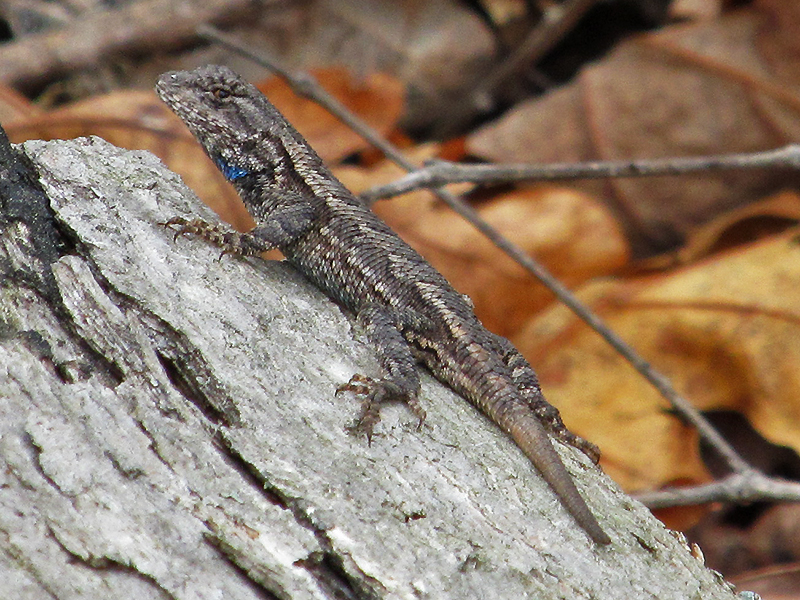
171 431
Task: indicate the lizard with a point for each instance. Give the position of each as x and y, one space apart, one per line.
409 312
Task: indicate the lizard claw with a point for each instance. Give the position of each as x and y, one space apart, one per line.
374 393
358 384
231 242
181 225
367 387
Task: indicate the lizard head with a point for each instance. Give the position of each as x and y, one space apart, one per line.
238 127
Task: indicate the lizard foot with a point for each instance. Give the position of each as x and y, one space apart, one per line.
374 392
231 242
585 446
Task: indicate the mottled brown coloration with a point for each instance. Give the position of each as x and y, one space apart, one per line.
409 311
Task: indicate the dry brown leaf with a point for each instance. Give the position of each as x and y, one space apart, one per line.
723 86
435 48
772 538
746 224
14 106
694 10
570 233
727 333
501 13
737 227
377 100
779 578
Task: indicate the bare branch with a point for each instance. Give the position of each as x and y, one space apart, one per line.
439 173
90 40
747 486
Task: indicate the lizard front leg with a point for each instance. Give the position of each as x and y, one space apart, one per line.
400 380
230 241
288 217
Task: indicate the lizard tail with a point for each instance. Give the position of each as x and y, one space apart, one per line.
531 437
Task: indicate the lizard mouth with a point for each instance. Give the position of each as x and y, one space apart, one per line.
173 91
167 85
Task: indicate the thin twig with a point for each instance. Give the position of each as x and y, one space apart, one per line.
302 86
736 488
440 173
556 22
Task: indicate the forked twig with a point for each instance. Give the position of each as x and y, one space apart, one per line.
736 487
439 173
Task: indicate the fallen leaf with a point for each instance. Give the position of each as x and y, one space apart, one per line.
695 10
739 226
726 331
772 538
779 582
724 86
14 106
377 100
435 48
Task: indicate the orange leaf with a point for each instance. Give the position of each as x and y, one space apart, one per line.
377 100
727 333
748 223
14 106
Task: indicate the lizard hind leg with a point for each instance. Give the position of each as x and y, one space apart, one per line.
527 382
400 380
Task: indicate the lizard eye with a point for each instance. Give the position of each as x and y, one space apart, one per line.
220 93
